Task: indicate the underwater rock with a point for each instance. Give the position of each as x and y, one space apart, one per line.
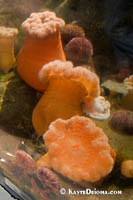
79 50
68 88
69 31
42 44
7 58
18 100
86 155
122 121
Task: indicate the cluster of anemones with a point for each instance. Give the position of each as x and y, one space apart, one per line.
69 92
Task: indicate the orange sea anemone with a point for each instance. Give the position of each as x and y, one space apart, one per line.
7 58
42 45
79 150
69 92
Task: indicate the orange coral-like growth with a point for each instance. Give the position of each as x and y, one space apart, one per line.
78 149
67 89
42 45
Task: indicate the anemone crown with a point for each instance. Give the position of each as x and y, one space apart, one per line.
86 154
42 24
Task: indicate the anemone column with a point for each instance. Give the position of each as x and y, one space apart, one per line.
7 58
67 89
62 104
42 45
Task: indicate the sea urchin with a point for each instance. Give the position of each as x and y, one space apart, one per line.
122 121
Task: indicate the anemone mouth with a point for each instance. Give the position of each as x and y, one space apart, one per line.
86 154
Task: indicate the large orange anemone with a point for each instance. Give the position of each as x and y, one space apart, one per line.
42 44
78 149
7 58
68 87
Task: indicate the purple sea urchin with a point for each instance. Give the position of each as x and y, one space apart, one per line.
45 182
78 50
48 178
22 166
70 31
25 161
122 121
